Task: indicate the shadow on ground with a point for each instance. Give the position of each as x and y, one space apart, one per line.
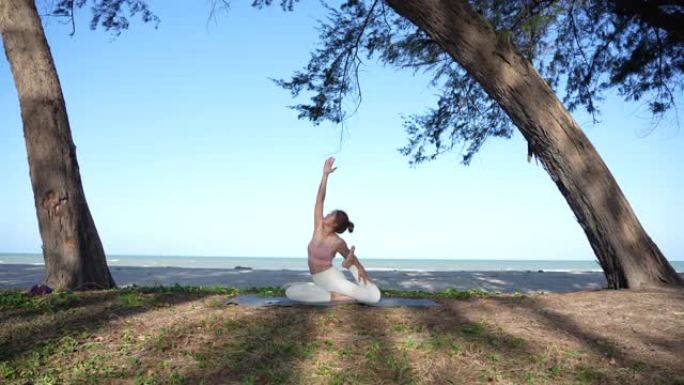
27 329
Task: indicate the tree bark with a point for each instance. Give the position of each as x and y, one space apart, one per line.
628 256
73 253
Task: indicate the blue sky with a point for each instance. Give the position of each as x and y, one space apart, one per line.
187 148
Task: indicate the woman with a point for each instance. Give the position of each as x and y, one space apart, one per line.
329 284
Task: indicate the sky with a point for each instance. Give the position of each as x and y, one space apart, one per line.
186 147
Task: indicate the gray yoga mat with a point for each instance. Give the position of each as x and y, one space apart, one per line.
252 300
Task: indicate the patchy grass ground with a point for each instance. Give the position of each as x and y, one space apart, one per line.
184 335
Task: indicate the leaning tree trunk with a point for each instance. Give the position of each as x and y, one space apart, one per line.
73 253
628 256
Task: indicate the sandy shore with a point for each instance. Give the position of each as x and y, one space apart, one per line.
23 276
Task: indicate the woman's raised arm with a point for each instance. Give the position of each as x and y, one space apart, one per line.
320 197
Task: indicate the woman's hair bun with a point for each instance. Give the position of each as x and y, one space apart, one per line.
350 226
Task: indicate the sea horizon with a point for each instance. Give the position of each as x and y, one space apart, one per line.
299 263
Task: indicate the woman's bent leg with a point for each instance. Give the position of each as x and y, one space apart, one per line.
307 292
334 280
371 291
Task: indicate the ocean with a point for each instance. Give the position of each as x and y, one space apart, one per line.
289 263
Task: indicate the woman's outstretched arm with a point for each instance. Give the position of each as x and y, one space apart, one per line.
320 197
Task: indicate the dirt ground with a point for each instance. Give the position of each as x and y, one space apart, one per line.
597 337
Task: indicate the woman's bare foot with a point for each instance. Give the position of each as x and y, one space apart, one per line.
340 297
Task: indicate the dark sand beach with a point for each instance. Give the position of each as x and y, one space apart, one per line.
23 276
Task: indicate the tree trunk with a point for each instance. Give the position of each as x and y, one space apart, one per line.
628 256
73 253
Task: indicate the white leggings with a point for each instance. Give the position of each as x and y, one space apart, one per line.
333 280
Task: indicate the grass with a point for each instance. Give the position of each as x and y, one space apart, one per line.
20 300
134 296
185 335
446 293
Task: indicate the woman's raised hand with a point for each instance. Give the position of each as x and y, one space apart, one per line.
328 167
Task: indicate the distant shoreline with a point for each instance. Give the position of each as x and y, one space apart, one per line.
371 264
379 269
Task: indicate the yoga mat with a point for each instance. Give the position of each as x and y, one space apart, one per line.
252 300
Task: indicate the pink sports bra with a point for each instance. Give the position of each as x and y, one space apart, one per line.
320 258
